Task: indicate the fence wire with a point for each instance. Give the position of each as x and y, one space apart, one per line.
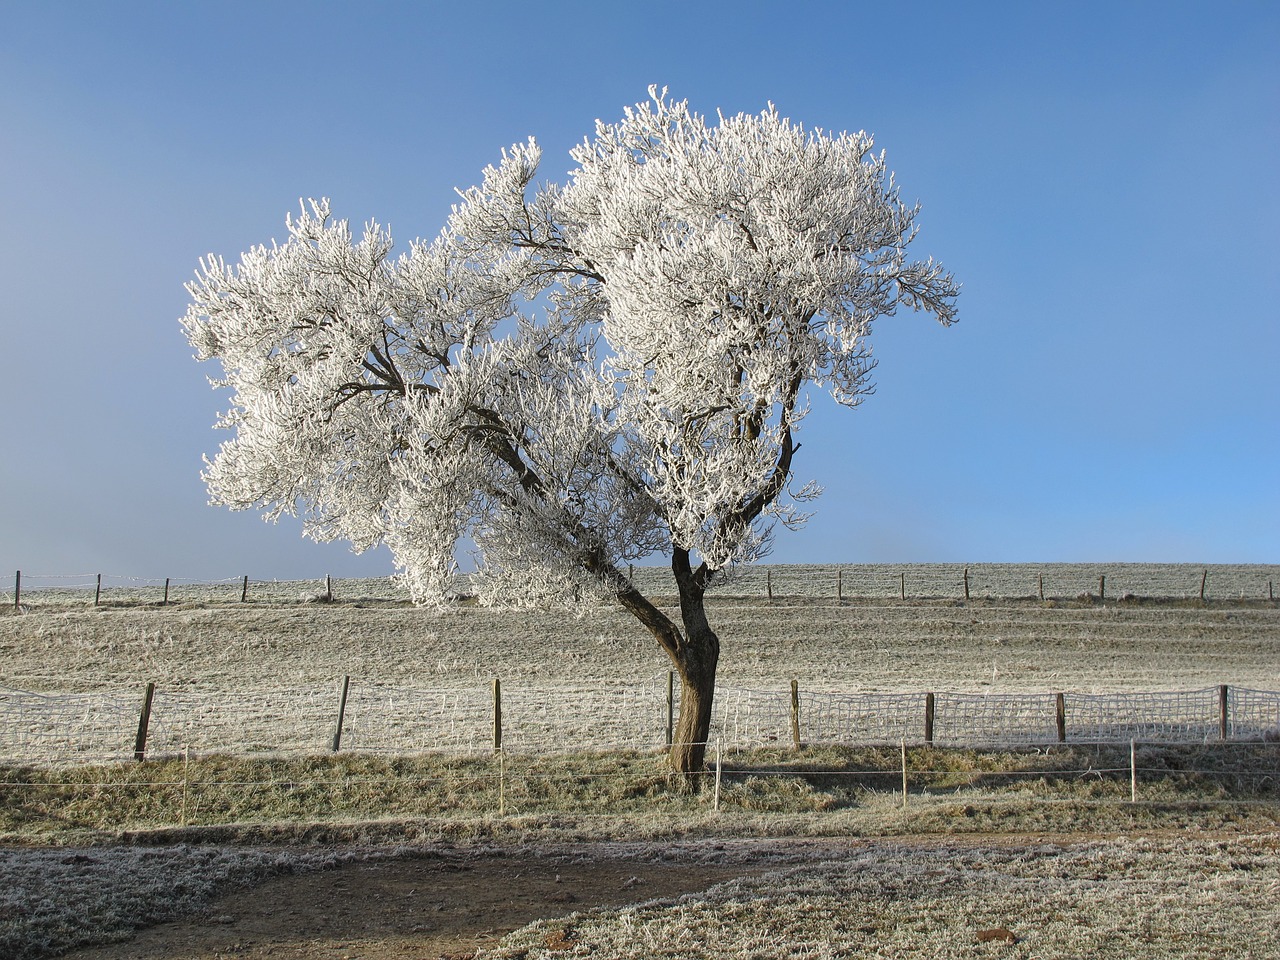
38 727
830 581
42 728
239 722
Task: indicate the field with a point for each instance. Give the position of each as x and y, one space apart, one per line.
1192 869
1002 638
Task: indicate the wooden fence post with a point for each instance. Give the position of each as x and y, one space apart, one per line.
1203 581
902 585
497 715
97 592
768 583
342 712
795 713
1041 586
328 588
928 717
244 589
839 585
502 783
671 706
186 779
17 589
1224 716
966 583
1060 709
144 721
1102 587
165 601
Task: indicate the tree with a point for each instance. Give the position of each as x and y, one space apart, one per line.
570 377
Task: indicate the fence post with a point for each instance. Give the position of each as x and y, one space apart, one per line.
165 601
1203 582
244 589
839 585
671 706
795 713
903 744
902 585
97 591
715 806
342 712
1041 586
1102 587
928 717
768 583
1060 708
186 779
17 589
1224 718
144 721
328 588
966 583
497 715
1133 772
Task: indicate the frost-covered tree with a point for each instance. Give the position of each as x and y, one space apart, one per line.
575 377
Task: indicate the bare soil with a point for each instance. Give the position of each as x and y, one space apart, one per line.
443 905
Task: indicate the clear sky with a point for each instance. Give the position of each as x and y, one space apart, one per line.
1102 178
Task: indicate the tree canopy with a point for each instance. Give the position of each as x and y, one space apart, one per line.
570 377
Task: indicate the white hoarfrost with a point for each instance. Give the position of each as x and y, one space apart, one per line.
570 377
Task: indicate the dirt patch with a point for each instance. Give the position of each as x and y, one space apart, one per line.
421 908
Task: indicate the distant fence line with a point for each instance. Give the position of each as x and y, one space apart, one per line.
44 728
831 581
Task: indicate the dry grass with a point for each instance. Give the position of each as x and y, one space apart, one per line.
93 852
832 791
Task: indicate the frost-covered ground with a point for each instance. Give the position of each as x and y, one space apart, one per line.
1138 899
1126 898
864 644
55 899
1132 899
266 674
829 581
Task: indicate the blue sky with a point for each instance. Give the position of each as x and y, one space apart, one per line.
1101 177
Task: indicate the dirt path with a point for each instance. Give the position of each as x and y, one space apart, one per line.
441 906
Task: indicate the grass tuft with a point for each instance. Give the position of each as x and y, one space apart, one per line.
854 790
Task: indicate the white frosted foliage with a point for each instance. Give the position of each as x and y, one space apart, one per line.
569 377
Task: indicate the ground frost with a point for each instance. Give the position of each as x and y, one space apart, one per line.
1131 899
54 899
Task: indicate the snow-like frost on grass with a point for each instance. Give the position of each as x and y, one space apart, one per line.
55 899
1132 899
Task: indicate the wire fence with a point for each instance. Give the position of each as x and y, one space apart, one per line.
1111 582
42 728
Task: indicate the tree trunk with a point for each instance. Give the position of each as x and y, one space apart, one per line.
697 669
695 660
694 652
